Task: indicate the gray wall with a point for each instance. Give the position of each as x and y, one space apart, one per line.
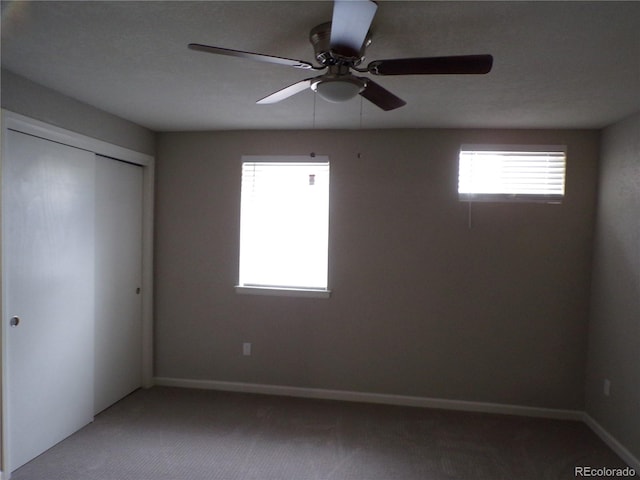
614 333
22 96
422 305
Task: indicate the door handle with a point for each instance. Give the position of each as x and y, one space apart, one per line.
14 322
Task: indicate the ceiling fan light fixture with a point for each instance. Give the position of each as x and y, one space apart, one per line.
338 90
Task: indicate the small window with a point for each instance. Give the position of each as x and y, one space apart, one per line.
511 173
284 226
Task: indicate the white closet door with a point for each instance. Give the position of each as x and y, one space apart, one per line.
48 263
118 328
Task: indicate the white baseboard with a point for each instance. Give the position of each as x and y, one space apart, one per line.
611 441
388 399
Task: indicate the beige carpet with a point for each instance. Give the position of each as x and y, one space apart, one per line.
179 434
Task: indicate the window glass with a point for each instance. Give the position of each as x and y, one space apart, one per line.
512 173
284 225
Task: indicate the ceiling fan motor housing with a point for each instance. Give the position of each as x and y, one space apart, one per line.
320 37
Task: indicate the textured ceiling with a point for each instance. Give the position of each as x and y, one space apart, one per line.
556 64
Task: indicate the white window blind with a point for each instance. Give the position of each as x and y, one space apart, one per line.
284 224
511 173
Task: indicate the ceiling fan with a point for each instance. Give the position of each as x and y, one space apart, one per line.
340 47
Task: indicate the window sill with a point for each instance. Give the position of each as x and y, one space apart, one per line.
283 292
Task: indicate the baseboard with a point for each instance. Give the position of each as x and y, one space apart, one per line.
388 399
611 441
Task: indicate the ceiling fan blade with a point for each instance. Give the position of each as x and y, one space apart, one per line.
380 96
286 92
350 25
464 64
254 56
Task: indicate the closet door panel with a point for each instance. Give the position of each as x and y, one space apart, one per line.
48 262
118 328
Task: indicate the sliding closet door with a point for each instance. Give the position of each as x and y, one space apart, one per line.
118 328
48 261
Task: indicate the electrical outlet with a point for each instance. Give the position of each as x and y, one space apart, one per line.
246 349
606 388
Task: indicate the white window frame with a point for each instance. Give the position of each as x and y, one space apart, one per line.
551 190
281 290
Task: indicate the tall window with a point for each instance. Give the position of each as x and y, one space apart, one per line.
284 224
511 173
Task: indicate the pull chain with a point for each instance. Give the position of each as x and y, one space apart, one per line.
313 126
